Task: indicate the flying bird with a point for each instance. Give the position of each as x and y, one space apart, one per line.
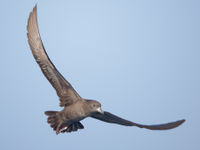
75 108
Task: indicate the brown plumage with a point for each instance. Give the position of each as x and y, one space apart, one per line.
75 107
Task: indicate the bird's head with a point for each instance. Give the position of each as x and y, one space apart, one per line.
94 106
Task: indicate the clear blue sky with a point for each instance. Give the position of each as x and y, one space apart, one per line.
140 59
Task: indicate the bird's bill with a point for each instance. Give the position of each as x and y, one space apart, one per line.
100 110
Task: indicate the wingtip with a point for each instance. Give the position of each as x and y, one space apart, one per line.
178 123
32 14
35 8
181 121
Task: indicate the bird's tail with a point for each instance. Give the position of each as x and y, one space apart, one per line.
54 120
58 125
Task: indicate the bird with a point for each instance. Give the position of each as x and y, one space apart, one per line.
75 108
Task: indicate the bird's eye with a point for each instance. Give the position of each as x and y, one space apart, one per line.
94 105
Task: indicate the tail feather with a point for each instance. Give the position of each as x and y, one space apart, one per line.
50 113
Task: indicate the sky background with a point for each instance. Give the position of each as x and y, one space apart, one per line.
139 58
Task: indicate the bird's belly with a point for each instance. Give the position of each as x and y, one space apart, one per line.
70 121
73 116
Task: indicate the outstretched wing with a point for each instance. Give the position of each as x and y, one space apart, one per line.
110 118
64 90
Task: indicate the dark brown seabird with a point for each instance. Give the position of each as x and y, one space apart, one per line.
75 107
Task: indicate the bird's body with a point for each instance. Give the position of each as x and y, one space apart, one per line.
74 112
75 108
71 114
77 111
